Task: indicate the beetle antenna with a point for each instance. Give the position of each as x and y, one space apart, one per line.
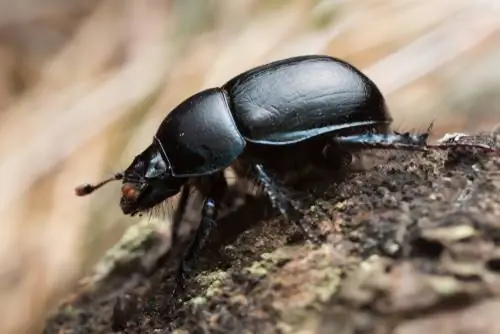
87 188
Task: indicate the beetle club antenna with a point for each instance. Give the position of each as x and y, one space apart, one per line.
87 188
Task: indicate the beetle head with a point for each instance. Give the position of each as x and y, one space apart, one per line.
147 182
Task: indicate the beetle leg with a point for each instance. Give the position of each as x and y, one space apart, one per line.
404 141
286 206
385 141
207 225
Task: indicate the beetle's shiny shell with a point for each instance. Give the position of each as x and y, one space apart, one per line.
281 103
295 99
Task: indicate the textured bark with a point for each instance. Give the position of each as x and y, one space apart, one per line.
412 247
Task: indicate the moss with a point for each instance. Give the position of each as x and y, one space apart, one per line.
306 284
197 302
270 260
211 282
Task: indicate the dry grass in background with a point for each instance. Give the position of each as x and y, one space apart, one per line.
83 85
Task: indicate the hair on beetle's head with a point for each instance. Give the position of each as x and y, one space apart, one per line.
146 183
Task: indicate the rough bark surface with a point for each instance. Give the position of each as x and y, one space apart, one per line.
413 246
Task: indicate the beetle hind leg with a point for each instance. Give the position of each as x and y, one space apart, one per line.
403 141
394 140
285 205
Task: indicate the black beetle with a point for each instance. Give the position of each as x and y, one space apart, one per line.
288 114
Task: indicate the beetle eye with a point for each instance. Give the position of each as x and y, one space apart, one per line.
156 167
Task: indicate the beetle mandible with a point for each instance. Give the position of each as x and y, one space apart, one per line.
290 113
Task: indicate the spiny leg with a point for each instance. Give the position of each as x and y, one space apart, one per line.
287 208
403 141
218 188
207 225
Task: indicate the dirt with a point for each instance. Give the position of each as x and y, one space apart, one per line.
412 245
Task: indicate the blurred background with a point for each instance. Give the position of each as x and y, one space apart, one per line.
84 85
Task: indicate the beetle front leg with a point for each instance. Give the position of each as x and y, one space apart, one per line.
286 206
207 225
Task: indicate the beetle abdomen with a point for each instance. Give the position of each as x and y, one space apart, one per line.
200 136
298 98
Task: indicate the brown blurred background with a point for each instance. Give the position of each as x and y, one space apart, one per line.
84 84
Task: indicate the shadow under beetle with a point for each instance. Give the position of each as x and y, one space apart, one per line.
283 116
